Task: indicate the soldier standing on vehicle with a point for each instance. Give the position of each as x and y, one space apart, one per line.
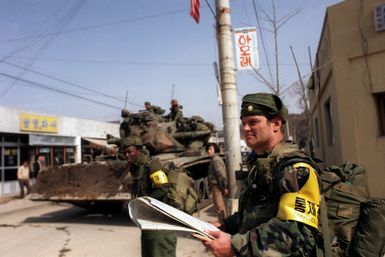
150 179
124 129
175 111
278 211
217 179
153 108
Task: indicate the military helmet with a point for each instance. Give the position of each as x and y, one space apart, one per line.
131 140
147 103
174 102
125 112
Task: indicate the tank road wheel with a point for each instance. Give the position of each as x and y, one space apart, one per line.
202 188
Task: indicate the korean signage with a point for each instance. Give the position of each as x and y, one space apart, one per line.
246 48
379 17
38 123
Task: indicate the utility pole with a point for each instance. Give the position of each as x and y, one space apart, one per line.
230 111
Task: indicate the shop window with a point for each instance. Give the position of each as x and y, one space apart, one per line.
24 155
46 153
70 155
381 111
10 174
11 138
10 156
24 139
58 156
329 122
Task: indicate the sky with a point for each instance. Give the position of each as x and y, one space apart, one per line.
91 58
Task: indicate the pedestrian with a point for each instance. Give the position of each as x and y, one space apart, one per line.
153 108
23 178
37 166
150 179
278 211
217 179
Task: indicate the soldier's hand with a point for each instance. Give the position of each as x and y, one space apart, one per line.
220 246
225 192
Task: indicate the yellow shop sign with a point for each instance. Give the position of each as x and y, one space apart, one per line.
38 123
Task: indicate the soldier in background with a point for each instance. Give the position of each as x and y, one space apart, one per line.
153 108
150 179
176 115
217 179
278 211
124 129
175 111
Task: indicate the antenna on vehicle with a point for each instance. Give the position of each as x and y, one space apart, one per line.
172 91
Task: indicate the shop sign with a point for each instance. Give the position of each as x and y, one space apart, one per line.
379 17
38 123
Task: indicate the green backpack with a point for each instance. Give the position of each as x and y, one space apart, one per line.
181 193
345 188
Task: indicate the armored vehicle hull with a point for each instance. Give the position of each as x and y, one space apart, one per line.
107 179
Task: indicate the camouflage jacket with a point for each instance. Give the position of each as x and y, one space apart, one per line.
217 172
156 109
143 170
261 227
175 114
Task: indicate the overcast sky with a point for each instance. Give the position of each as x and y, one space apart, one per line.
80 58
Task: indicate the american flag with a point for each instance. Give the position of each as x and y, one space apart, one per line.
194 10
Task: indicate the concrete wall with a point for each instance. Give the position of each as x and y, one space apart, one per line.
352 54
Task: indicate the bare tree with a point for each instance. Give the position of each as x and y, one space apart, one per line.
275 25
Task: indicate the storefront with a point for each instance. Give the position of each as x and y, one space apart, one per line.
24 136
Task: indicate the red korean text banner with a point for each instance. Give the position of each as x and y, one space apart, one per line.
246 46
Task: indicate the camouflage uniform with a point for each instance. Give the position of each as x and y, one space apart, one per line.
279 208
218 183
175 114
156 110
278 211
150 179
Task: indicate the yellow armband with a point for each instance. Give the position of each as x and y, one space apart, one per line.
158 178
302 206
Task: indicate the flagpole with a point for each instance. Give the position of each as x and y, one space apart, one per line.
230 111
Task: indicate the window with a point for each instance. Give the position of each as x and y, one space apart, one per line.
329 122
381 111
10 156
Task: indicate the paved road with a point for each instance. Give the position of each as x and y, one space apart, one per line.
43 229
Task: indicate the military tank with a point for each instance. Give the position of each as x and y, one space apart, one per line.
106 179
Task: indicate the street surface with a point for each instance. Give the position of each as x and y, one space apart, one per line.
45 229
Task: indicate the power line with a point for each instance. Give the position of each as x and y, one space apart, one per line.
71 83
134 62
58 25
35 84
96 26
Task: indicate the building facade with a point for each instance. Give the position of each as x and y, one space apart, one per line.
59 140
347 89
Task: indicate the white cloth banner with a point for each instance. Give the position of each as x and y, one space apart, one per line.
246 46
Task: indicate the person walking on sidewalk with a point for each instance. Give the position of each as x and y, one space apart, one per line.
217 180
23 178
